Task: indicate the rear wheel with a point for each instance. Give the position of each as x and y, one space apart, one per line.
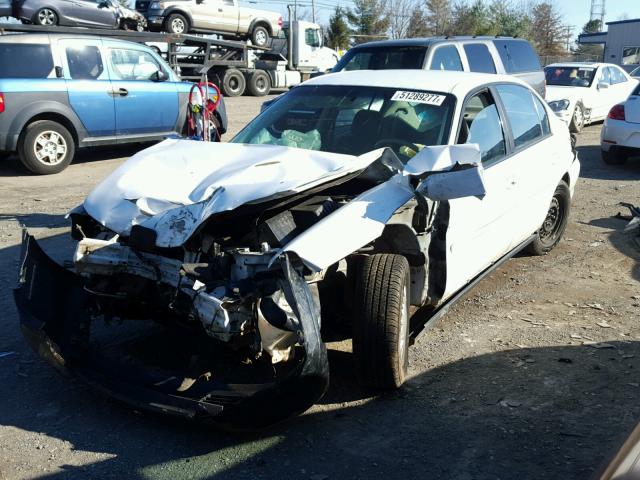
46 147
554 225
614 157
260 36
259 83
381 320
176 23
46 16
233 83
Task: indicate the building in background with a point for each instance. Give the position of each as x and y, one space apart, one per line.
621 43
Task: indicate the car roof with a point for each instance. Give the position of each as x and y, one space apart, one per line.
46 38
457 83
580 64
426 41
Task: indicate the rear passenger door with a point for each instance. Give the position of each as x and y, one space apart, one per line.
479 58
142 106
535 160
446 57
480 229
88 85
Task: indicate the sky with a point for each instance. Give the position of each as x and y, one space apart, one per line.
576 12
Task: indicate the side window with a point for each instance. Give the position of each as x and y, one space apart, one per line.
517 56
542 115
479 58
521 112
311 37
616 75
481 124
605 76
229 3
133 64
85 63
39 65
446 58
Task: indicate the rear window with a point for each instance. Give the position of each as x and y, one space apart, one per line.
479 58
517 56
382 58
12 64
637 90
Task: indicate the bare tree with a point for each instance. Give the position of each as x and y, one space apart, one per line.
438 16
400 15
548 32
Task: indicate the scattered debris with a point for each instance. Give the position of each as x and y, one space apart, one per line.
6 354
576 336
634 384
510 403
628 356
604 324
595 244
595 306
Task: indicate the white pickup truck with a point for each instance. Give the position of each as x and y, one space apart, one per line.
224 17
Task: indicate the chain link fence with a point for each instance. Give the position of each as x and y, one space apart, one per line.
549 59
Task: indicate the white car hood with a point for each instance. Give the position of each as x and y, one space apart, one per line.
556 92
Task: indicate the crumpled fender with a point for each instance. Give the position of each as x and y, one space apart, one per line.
52 306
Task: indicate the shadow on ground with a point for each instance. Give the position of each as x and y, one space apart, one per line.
553 412
592 166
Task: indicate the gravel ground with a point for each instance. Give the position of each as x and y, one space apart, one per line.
510 384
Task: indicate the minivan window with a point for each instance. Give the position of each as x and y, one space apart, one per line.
517 56
521 112
446 58
133 64
85 63
479 58
382 58
39 65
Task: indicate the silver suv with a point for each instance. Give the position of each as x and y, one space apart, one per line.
503 55
224 17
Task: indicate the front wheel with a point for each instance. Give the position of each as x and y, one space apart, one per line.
260 36
381 320
554 225
176 23
46 147
577 120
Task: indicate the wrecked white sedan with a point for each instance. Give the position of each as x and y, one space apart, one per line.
203 273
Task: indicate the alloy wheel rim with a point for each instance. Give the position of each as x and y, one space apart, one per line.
50 148
46 17
261 37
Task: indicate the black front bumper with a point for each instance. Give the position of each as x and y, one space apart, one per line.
54 316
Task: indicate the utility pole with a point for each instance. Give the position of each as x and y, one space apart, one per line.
313 10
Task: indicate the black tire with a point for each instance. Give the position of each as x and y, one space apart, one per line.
233 83
614 157
176 23
577 119
554 225
55 161
46 16
260 36
381 321
259 83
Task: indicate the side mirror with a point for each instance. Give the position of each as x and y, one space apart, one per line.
462 181
602 85
104 4
159 76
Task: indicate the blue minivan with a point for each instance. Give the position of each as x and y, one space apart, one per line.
62 92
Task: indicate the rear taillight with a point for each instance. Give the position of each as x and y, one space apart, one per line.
1 102
279 21
617 112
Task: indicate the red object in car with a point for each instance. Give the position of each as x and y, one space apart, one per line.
279 21
617 112
1 102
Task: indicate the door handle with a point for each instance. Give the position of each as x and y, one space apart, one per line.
219 9
121 92
511 183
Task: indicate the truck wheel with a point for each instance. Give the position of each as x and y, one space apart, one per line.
381 320
176 23
46 147
233 83
259 83
260 36
577 120
614 157
551 230
46 16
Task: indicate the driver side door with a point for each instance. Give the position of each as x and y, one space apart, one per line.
95 13
142 106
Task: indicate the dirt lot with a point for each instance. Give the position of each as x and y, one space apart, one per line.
508 385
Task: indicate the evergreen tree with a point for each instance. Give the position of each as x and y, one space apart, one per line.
369 19
337 36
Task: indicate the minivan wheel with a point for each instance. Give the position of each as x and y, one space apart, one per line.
176 23
233 83
46 16
46 147
555 223
577 119
260 36
381 320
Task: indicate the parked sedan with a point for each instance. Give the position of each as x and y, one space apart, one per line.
620 135
583 93
80 13
355 196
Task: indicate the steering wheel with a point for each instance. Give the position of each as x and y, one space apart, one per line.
396 141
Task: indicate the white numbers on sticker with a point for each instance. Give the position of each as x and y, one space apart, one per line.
419 97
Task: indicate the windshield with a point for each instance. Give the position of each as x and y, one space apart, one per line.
382 58
353 120
635 72
570 76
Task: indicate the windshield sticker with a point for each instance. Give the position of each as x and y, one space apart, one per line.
419 97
